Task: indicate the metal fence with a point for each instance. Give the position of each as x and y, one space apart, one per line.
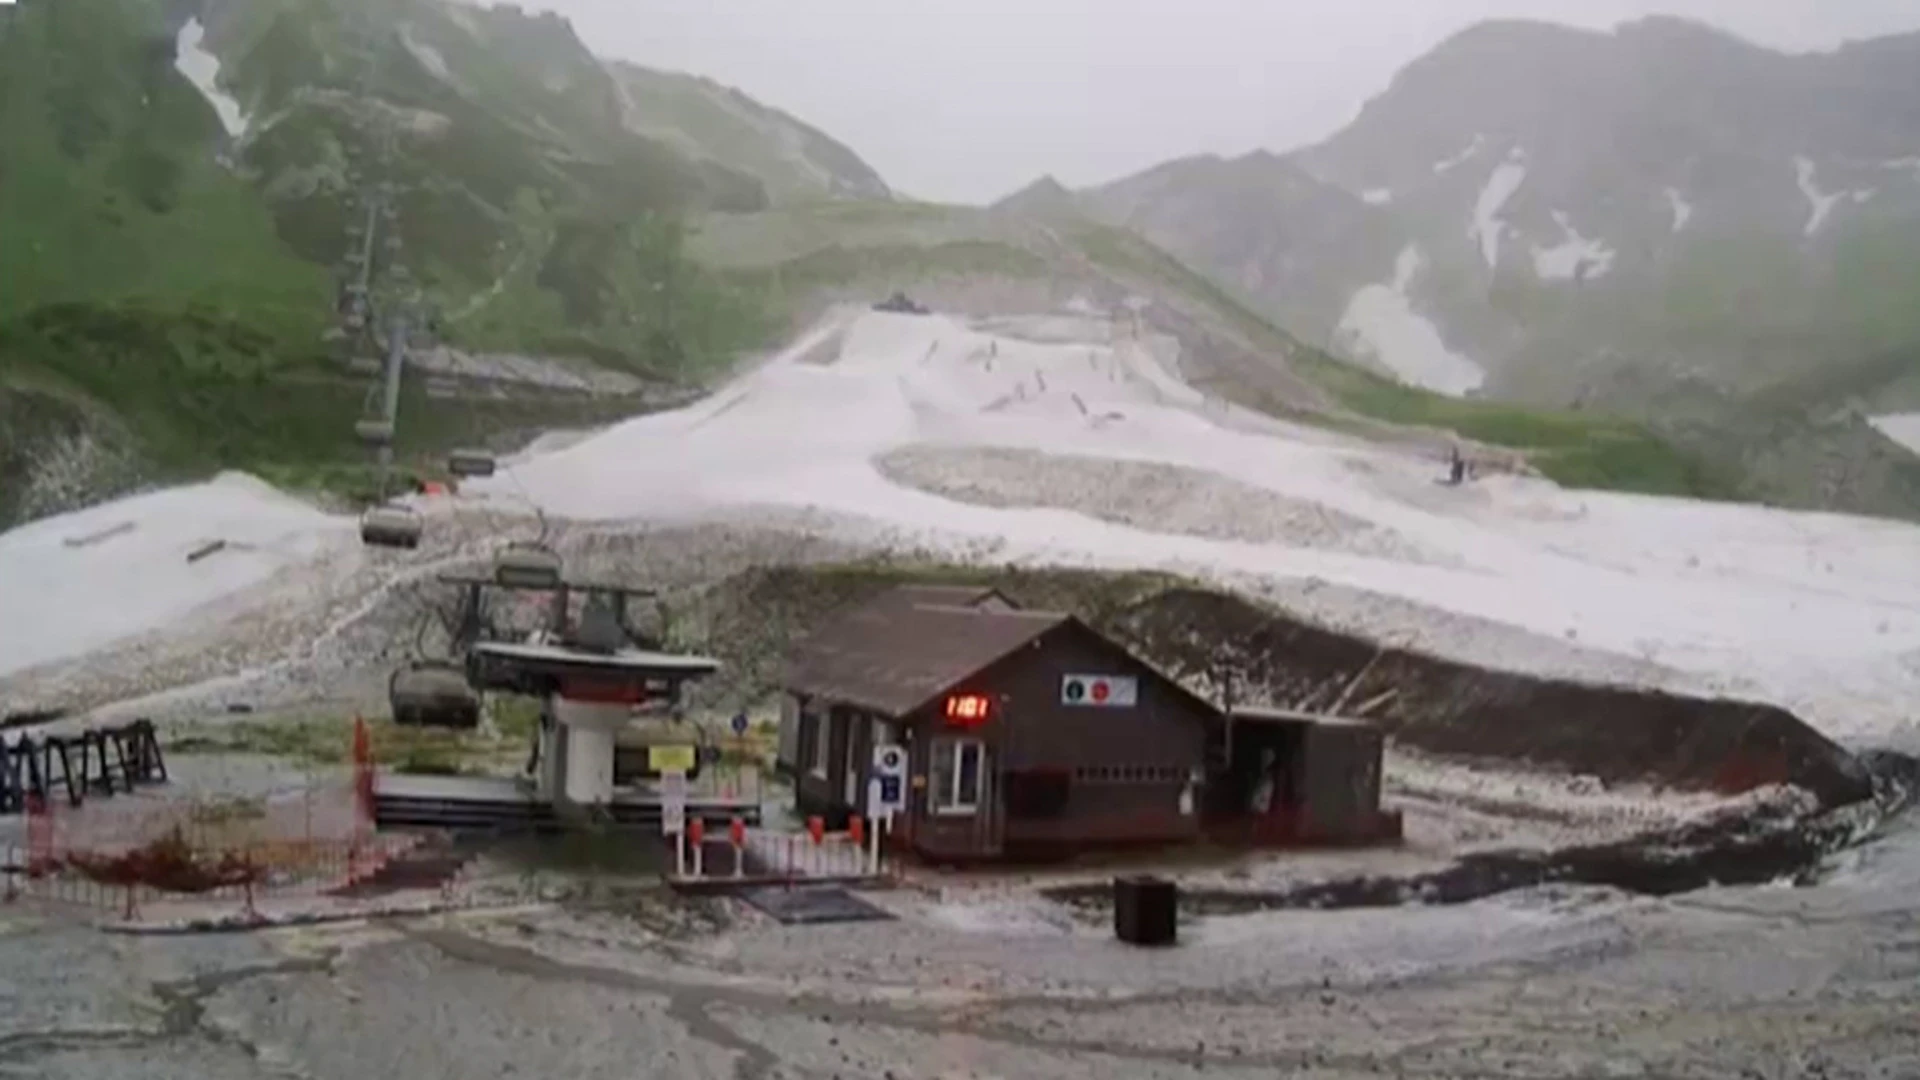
223 853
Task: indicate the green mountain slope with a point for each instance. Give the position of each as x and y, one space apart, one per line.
710 122
167 279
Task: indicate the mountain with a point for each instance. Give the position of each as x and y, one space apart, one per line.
1662 222
706 121
182 182
186 185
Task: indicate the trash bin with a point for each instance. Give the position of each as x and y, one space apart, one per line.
1146 910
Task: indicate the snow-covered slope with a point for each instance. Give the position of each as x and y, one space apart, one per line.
1818 612
76 583
1067 441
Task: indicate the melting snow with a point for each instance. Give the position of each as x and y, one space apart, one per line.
1380 322
1501 186
1822 203
428 56
1757 600
1682 209
1377 196
202 69
1460 158
1818 612
1903 428
80 581
1911 164
1566 261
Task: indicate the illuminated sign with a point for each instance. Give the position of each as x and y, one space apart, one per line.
968 710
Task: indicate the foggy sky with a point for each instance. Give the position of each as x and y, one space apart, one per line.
967 100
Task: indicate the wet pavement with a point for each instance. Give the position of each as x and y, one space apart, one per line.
1765 981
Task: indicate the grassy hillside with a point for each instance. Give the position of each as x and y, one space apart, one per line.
166 288
528 209
708 121
108 183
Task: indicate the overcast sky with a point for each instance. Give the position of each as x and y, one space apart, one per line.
966 100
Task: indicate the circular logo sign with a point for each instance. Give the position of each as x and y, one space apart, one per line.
890 759
1100 690
1076 690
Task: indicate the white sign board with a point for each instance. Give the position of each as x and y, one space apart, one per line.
673 803
887 790
1100 691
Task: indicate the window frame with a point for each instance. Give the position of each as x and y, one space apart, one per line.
947 803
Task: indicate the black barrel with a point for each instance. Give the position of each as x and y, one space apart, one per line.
1146 910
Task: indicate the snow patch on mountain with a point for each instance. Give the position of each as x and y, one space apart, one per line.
428 56
1575 257
1910 164
1821 202
202 69
1377 196
1682 209
1380 323
1501 186
1461 158
1903 428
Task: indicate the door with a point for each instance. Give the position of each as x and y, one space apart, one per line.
853 784
962 810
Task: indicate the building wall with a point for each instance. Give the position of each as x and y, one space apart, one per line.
1123 770
1110 774
1341 782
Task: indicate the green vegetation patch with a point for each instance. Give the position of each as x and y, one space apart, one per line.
328 741
1572 449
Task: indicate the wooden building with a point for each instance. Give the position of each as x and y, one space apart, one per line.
1284 778
1026 731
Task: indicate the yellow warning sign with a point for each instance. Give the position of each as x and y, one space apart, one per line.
671 759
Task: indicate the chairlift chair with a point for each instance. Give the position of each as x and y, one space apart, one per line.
470 463
374 432
391 526
433 693
527 566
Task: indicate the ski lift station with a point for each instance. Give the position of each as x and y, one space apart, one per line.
596 680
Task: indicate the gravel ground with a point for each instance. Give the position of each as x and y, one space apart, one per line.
1748 982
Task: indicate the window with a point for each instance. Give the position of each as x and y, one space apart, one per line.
956 764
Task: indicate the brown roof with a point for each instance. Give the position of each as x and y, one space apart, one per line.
898 651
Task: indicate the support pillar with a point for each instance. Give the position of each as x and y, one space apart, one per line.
589 729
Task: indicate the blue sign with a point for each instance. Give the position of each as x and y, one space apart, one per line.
890 791
739 723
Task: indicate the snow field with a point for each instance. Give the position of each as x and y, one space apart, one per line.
76 583
1742 596
924 434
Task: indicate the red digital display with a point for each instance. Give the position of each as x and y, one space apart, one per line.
968 710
